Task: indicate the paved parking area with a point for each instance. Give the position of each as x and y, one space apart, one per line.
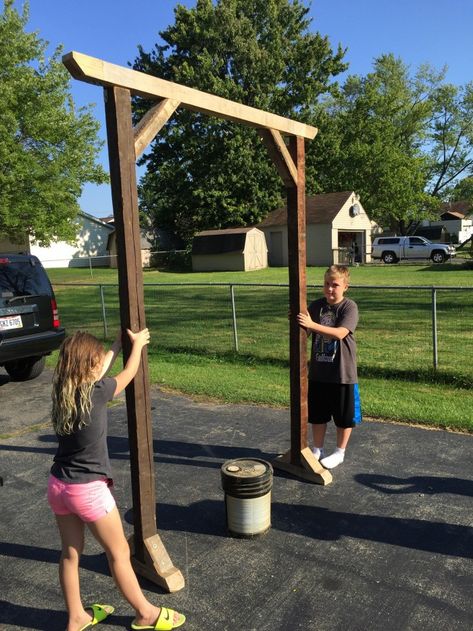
387 546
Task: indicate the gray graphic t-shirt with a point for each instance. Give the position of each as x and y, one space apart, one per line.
334 361
325 348
83 455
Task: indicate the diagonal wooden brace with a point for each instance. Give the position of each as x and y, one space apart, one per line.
151 123
309 468
280 156
156 566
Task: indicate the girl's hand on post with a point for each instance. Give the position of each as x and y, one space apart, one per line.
141 337
138 340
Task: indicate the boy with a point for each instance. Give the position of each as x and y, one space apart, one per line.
333 380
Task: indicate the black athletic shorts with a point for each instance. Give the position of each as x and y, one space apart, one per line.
337 401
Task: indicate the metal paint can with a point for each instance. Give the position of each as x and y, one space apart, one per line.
247 484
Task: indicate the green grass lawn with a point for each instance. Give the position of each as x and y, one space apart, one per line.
192 347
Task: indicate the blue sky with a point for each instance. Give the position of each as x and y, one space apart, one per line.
418 31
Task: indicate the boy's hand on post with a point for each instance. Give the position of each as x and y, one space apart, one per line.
305 320
141 337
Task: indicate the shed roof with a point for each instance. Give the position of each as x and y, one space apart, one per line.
220 241
452 214
462 207
320 209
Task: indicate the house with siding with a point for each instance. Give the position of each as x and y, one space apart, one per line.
456 220
338 230
89 249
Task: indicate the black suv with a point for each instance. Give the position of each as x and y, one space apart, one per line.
29 321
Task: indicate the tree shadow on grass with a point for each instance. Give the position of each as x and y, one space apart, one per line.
446 267
423 375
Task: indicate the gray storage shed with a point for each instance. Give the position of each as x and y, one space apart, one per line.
234 249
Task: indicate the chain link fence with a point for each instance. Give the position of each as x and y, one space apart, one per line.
402 329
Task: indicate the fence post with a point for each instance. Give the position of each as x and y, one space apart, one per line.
104 315
235 331
434 327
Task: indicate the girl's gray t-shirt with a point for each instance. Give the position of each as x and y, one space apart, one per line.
83 455
334 361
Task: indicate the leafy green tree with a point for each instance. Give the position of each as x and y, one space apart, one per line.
374 132
461 191
207 173
48 149
401 140
451 138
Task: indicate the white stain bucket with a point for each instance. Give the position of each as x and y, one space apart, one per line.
247 484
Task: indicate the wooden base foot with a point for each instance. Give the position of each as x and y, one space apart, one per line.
309 468
157 566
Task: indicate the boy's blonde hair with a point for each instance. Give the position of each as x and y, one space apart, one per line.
339 271
73 381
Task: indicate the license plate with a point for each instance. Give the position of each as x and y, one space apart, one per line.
11 322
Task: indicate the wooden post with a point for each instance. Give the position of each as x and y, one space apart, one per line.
296 237
149 555
299 460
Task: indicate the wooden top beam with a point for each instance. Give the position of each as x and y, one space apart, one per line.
97 71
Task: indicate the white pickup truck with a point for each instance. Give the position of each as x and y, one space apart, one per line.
394 249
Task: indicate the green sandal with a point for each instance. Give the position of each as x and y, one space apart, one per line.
165 621
100 612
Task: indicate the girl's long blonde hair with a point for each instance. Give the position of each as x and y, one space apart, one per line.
73 381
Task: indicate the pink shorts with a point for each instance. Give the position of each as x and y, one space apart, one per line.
89 501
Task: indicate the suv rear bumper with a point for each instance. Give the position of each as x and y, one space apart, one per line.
30 345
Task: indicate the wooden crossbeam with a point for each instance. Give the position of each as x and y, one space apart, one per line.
97 71
280 155
152 122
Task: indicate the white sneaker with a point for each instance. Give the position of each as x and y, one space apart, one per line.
332 461
318 452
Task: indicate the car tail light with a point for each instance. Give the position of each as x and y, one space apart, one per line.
55 311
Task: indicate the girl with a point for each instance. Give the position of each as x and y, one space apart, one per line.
79 484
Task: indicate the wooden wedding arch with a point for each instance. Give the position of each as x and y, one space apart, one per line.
125 144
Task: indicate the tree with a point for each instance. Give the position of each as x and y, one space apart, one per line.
48 149
451 138
206 173
461 191
402 140
374 132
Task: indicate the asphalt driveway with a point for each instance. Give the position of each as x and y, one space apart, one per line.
387 546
